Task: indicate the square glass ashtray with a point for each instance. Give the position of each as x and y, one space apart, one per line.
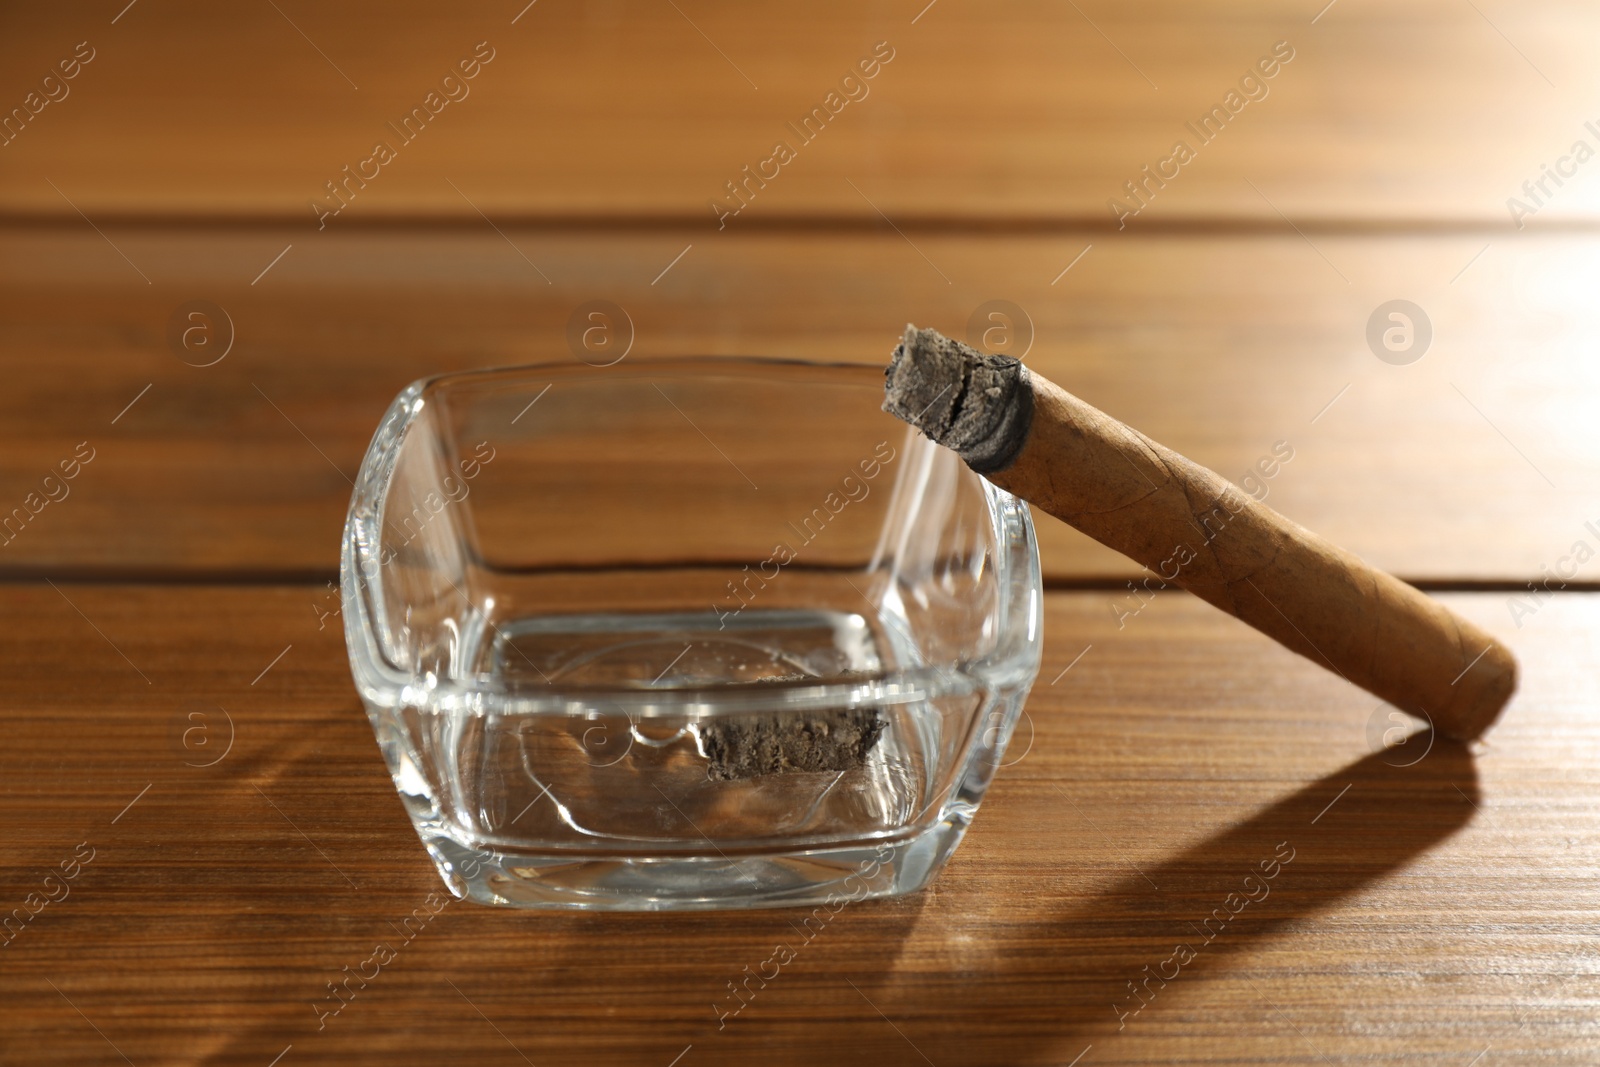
705 633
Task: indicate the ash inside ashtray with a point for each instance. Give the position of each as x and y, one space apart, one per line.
757 744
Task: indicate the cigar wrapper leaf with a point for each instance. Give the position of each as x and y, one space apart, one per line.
1192 528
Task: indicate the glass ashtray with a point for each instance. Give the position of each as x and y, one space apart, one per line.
700 633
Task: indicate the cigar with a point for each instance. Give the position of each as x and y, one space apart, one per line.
1193 528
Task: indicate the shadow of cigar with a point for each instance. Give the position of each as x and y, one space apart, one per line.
1107 966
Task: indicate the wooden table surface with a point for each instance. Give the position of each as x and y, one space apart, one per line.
1434 905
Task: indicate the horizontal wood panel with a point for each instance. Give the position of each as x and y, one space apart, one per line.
1422 110
1479 461
1428 911
1440 903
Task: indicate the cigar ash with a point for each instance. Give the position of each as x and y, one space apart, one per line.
758 744
978 405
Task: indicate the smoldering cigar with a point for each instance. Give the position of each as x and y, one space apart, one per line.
1035 440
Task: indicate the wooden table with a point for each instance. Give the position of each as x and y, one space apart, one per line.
188 896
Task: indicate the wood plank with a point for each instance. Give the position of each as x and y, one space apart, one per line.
1428 911
1477 462
1422 110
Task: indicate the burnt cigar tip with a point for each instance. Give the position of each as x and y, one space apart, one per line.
977 404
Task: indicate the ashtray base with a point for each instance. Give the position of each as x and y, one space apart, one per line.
817 878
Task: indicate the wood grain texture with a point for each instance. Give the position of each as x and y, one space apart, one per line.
1479 461
1428 912
1424 110
191 748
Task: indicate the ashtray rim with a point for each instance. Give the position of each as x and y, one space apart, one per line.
385 683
